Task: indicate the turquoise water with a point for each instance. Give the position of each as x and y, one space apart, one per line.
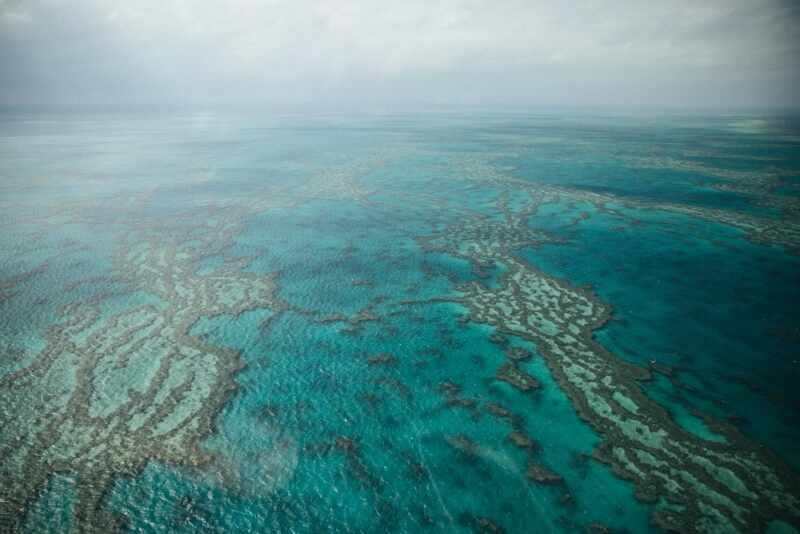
251 324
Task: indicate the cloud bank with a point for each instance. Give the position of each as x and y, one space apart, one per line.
414 54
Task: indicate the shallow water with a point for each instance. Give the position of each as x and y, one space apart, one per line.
272 324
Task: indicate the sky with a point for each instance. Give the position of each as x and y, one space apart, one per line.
401 54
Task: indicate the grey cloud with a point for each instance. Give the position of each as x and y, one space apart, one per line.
358 53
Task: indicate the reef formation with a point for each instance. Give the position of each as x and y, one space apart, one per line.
697 485
782 231
121 380
114 389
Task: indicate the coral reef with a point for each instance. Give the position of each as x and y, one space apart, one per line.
113 390
784 231
118 385
736 486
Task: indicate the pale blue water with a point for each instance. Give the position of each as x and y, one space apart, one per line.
324 432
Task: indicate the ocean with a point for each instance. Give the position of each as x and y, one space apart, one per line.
543 322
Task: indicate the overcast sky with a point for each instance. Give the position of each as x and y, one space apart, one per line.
344 54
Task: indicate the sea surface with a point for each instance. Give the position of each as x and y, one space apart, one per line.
405 323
